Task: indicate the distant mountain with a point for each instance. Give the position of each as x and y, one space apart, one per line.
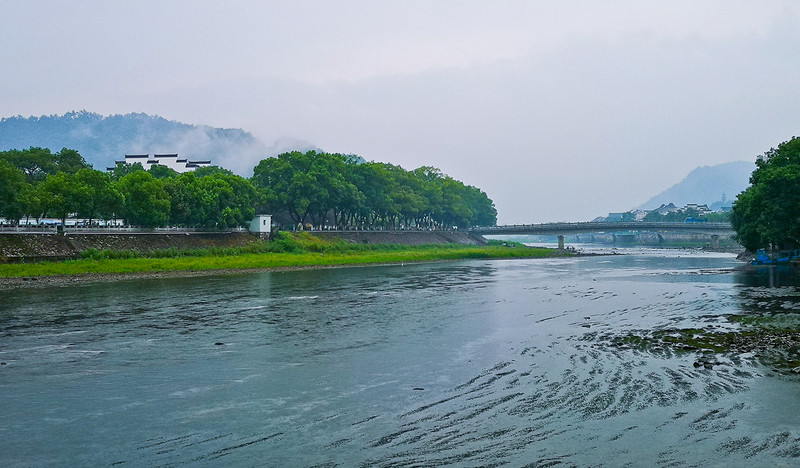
715 186
103 139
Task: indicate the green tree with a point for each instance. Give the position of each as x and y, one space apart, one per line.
161 172
61 195
767 213
36 163
345 190
100 197
239 210
145 201
69 161
182 199
13 191
288 184
653 217
210 170
219 199
121 170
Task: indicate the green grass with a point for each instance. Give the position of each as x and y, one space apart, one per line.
287 250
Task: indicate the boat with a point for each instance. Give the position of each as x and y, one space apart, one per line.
781 258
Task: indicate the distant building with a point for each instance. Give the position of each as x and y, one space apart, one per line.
167 160
702 209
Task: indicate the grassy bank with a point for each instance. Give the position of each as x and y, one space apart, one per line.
287 250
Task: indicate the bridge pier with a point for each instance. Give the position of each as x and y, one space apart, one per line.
715 241
561 242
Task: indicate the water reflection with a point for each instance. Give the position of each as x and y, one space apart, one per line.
769 276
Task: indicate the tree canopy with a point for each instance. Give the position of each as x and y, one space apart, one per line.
767 213
37 163
316 188
344 191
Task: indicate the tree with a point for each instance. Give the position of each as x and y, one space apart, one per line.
653 217
288 184
121 169
69 161
100 197
13 190
219 199
767 213
210 170
61 195
145 201
239 210
36 163
344 190
161 172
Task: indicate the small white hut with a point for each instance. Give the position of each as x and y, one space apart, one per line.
261 224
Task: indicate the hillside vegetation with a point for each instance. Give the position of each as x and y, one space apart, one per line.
103 139
715 186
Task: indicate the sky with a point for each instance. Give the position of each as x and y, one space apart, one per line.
558 110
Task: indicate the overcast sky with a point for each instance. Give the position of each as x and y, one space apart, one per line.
559 110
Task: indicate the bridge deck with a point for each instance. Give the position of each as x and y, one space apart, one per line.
574 228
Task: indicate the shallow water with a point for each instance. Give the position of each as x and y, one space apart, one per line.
474 363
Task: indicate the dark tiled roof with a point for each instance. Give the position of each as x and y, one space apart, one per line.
138 156
170 155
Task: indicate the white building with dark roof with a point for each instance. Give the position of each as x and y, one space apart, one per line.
169 160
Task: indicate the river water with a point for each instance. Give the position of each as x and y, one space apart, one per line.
471 363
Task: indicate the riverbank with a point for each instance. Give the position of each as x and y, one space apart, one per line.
28 247
287 252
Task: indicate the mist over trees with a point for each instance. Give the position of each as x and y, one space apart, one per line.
316 189
768 212
96 137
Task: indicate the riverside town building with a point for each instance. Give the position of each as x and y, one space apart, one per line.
167 160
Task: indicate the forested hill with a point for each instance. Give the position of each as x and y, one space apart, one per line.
707 185
103 139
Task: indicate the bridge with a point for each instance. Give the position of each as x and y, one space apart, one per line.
715 230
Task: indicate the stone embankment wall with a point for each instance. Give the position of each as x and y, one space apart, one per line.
37 247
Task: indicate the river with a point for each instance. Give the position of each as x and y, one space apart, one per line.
470 363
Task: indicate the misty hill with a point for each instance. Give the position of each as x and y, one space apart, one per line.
707 185
103 139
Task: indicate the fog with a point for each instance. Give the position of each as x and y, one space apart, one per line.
558 110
